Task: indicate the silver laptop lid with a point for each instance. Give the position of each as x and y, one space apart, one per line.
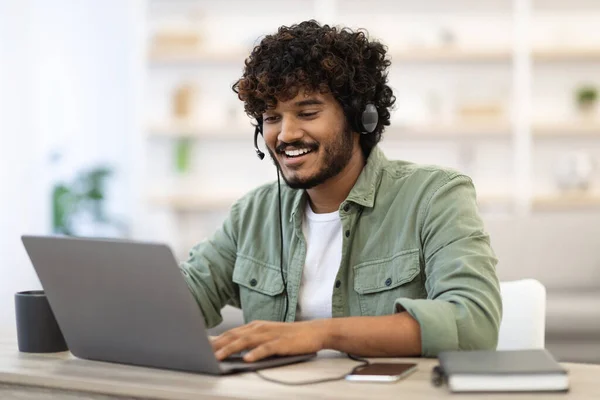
122 301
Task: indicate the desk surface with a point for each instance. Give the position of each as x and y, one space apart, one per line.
61 371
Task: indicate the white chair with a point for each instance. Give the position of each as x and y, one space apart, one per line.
524 315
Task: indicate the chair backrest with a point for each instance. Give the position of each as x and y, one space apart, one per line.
524 315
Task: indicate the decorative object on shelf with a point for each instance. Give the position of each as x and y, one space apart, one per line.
587 99
573 171
175 40
182 36
479 103
79 208
480 111
446 37
183 152
184 99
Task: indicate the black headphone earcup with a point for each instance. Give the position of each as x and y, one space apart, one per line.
369 118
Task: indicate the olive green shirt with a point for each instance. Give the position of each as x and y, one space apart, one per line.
413 241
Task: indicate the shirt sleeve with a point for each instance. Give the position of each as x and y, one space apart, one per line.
463 308
209 269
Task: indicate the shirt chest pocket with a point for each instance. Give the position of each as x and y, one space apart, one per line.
379 283
261 289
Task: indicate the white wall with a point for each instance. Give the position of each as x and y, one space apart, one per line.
17 170
69 80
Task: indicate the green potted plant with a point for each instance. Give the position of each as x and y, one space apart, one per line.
85 195
183 154
587 98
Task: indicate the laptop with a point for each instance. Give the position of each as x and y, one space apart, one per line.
126 302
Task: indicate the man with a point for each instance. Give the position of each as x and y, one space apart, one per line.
377 257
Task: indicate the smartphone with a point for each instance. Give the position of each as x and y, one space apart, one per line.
382 372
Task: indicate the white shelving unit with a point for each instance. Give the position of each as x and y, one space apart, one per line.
497 45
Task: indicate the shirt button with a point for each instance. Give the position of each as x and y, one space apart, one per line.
347 233
338 284
388 281
347 207
253 282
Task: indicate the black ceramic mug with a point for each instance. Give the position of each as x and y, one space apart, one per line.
37 329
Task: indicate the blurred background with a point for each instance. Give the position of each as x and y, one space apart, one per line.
117 119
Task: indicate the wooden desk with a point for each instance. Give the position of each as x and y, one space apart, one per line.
55 376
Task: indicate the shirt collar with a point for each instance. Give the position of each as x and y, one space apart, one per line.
364 190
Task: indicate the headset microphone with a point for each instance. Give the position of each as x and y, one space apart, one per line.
259 153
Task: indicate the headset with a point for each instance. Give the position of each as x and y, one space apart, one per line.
367 124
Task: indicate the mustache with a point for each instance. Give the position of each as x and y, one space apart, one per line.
296 145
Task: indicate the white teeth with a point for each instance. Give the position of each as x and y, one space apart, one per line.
296 153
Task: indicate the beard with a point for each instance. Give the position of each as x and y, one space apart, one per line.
336 156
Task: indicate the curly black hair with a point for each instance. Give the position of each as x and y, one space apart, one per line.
319 58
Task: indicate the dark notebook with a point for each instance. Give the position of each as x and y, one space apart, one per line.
502 371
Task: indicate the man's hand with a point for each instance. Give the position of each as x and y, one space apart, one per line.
265 338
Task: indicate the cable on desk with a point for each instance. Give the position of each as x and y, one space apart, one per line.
363 363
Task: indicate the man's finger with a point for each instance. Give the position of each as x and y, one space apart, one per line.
252 328
228 337
269 348
244 343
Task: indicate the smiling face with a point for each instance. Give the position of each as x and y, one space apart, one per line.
309 138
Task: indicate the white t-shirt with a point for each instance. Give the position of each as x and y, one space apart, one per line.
323 234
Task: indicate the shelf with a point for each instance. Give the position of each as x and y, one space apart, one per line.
591 129
470 130
566 202
569 54
397 132
443 55
160 56
450 55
